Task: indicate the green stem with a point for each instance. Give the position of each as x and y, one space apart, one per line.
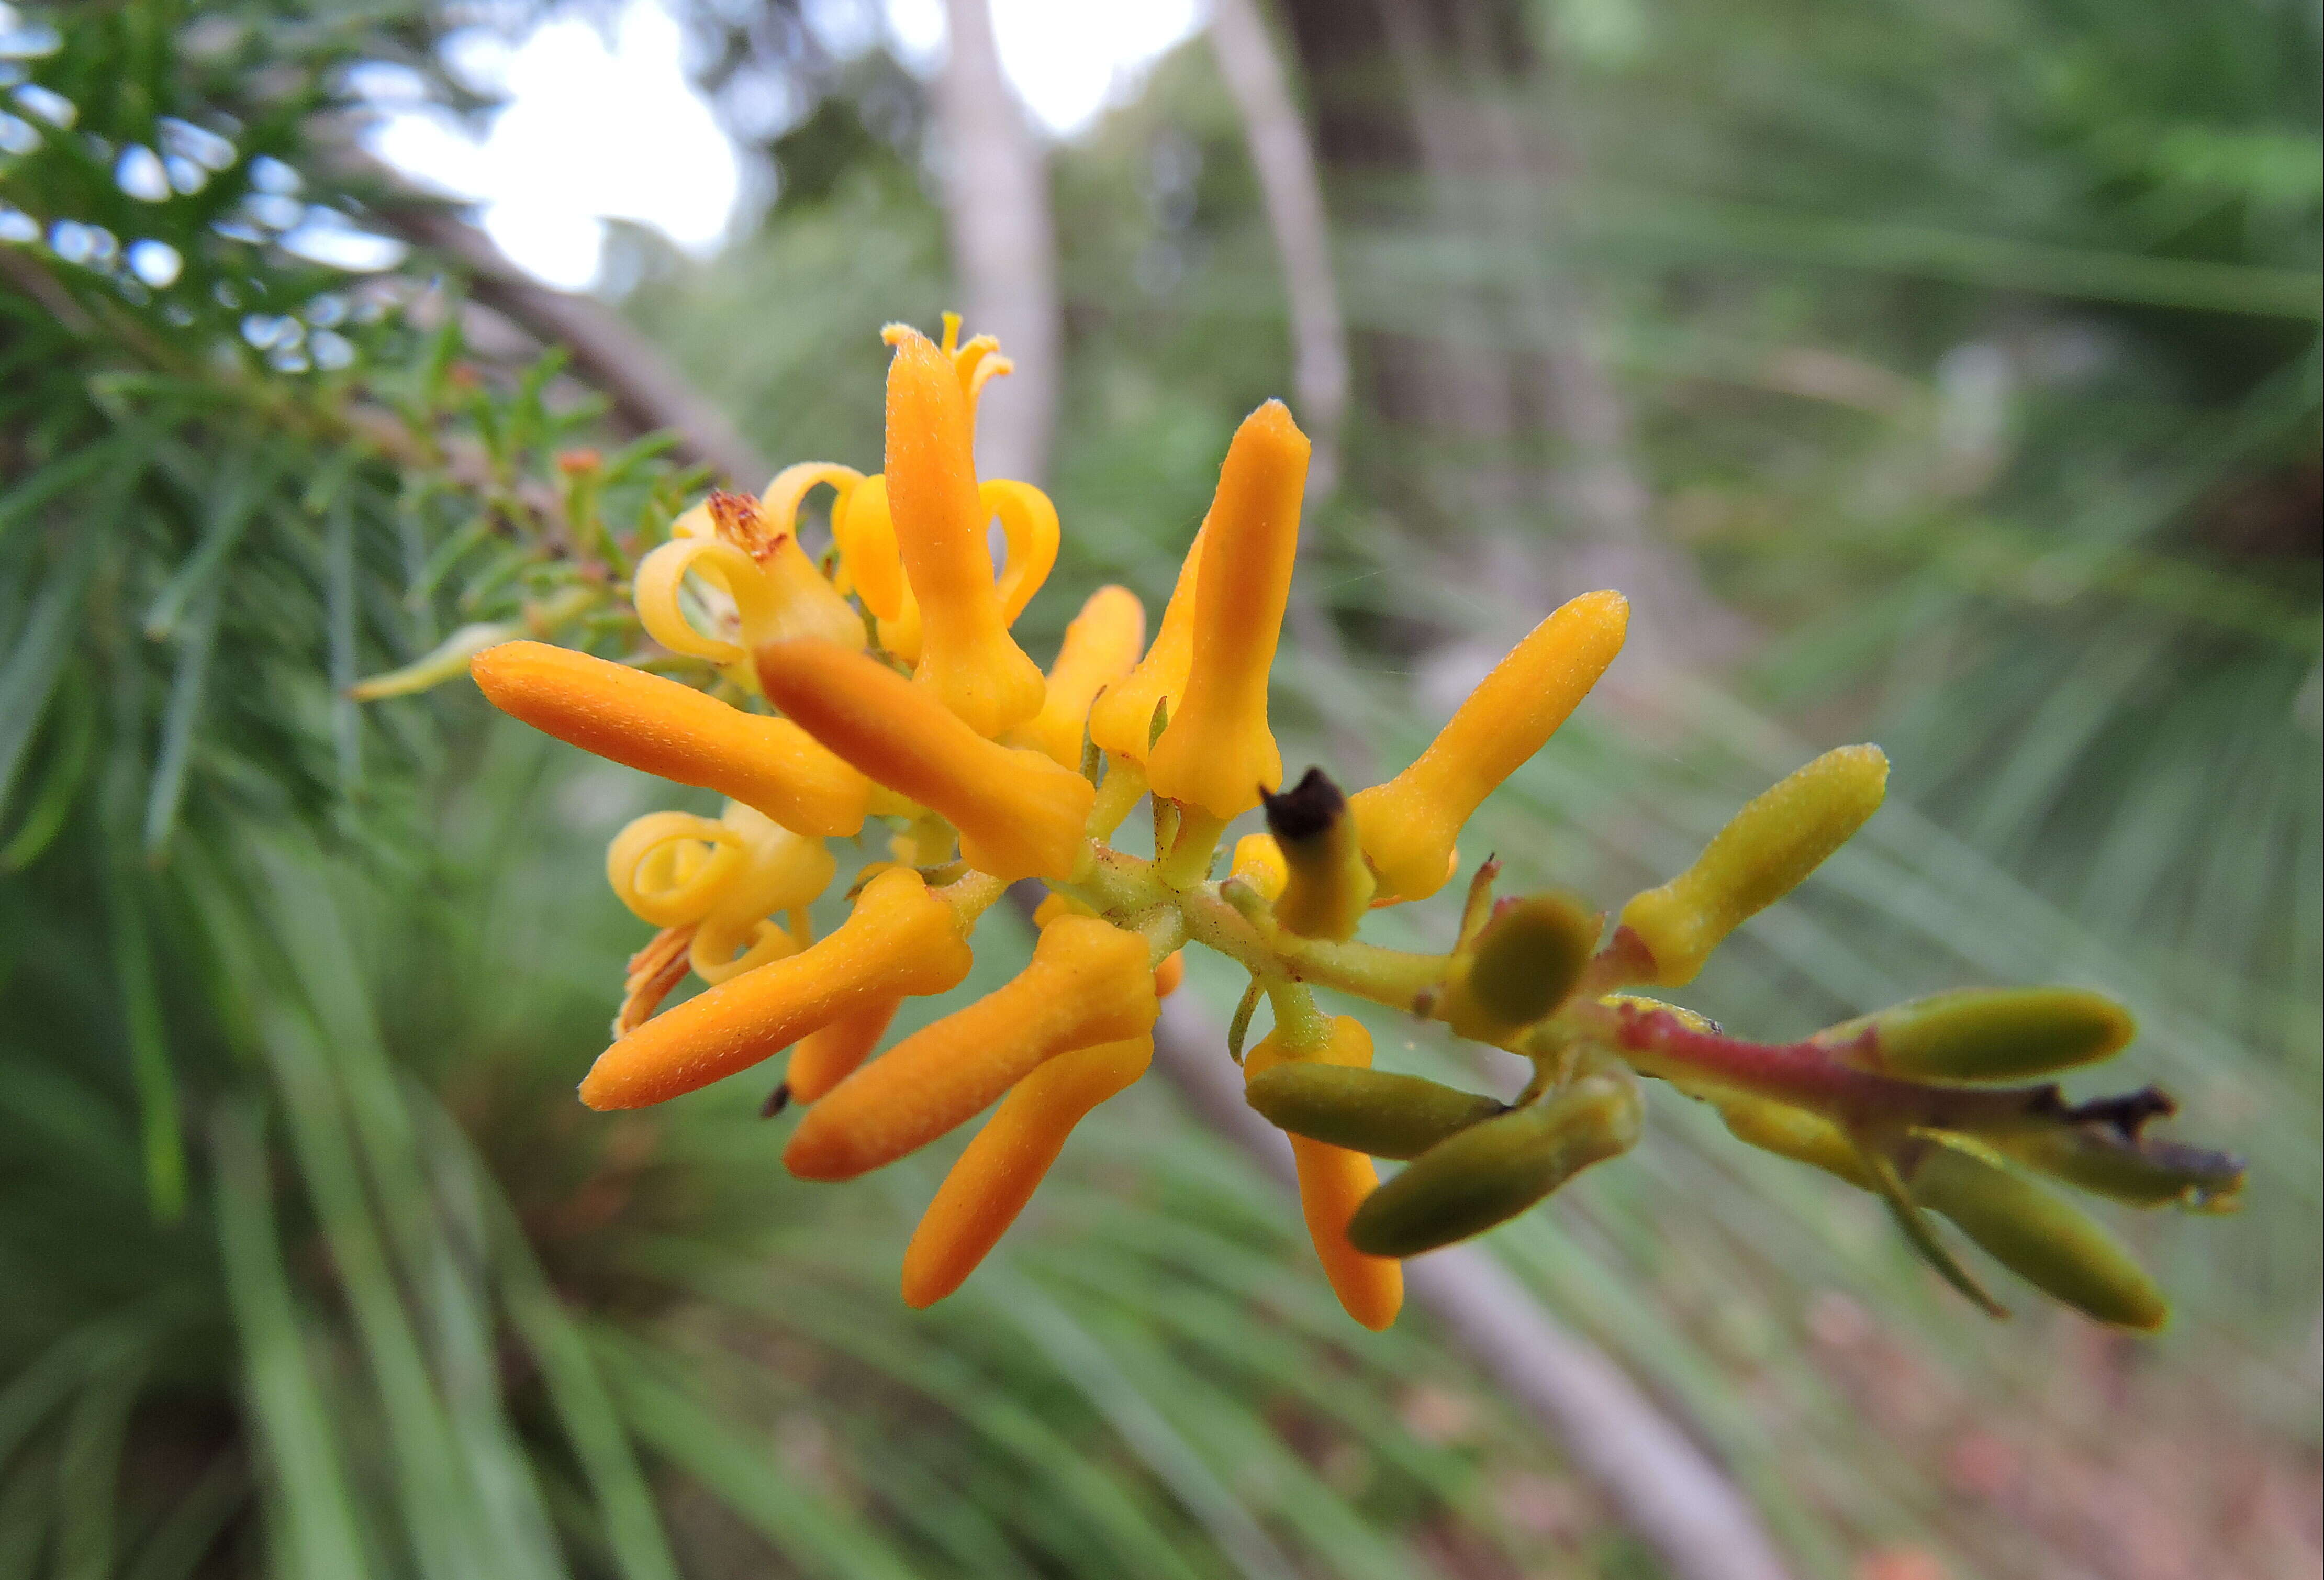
1300 1028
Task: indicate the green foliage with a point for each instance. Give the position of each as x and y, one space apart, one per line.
314 1266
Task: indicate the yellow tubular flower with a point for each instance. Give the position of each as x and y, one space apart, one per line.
968 657
1122 720
1333 1183
1019 815
1409 825
807 603
1002 1167
1218 750
829 1055
661 727
1100 647
901 941
1089 982
864 527
1760 856
1259 862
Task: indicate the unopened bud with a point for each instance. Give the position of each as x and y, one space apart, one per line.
1410 823
1520 966
1986 1034
1492 1171
1366 1111
2041 1238
1327 886
2142 1173
1794 1134
1760 856
1218 750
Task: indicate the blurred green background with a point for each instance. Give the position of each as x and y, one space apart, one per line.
1942 374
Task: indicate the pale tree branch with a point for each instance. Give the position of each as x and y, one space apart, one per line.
996 190
1293 195
647 393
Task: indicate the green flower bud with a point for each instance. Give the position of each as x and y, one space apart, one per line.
1794 1134
1757 859
1328 885
2142 1173
1365 1110
1492 1171
1519 968
2040 1237
1986 1034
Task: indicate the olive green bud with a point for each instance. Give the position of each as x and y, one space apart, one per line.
1794 1134
2140 1173
1759 857
1986 1034
2040 1237
1494 1170
1328 886
1520 966
1363 1110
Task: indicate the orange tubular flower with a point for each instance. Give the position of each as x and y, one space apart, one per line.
968 657
829 1055
901 940
1218 750
997 1174
1122 720
660 726
1407 827
1100 647
1089 982
1019 815
1333 1182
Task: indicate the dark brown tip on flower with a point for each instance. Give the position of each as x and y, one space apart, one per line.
2127 1115
777 1100
740 521
1308 809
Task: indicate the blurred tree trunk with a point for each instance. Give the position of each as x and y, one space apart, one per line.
1431 110
996 182
1294 192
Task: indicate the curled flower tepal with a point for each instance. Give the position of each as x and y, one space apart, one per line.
968 657
1101 646
722 879
902 941
1217 751
1004 1163
1335 1181
661 727
1121 719
746 552
1760 856
981 770
1089 982
1019 815
1409 824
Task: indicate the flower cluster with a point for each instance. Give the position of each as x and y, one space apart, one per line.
885 683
